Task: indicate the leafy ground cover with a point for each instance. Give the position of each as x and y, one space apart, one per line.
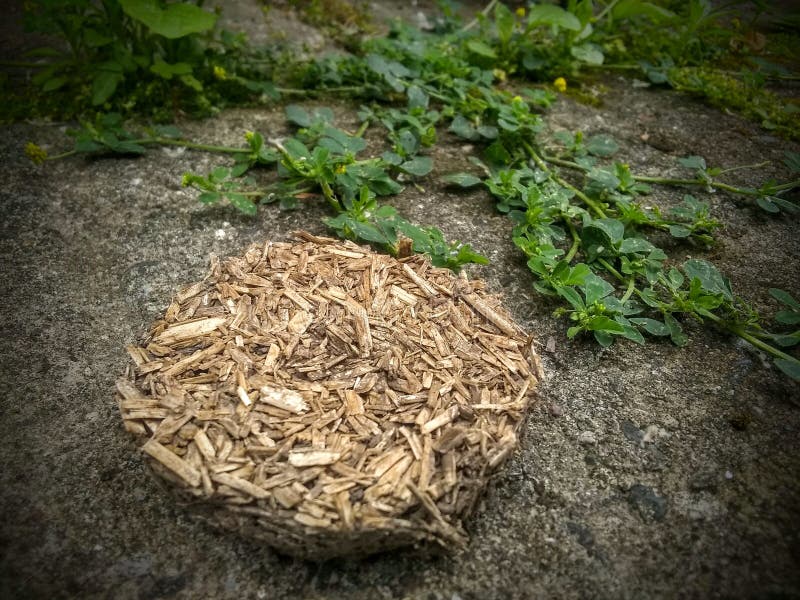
590 228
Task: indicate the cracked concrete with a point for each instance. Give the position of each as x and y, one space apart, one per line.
642 472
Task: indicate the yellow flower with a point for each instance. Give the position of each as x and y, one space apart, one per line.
560 84
36 153
249 135
516 99
341 170
220 73
521 11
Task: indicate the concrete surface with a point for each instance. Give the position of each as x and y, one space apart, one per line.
642 473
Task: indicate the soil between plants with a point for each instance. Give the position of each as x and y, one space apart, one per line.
642 472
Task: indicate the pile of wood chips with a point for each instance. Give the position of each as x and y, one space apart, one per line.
330 400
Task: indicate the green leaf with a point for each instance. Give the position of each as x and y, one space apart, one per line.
220 173
675 331
632 334
549 14
242 203
298 115
87 145
463 128
613 228
786 341
790 367
785 298
173 20
784 204
497 154
595 288
589 53
632 245
490 132
104 85
481 49
571 296
679 231
388 69
792 161
416 234
601 323
240 168
296 149
651 326
710 278
464 180
209 197
417 98
192 82
342 142
392 158
626 9
368 232
408 142
419 166
603 338
787 317
467 255
601 145
53 84
95 39
603 178
504 21
693 162
168 71
577 274
766 204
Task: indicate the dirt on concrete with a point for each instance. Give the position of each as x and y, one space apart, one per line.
642 472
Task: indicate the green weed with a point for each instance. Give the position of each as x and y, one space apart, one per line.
579 219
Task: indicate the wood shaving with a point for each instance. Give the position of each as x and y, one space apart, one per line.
329 400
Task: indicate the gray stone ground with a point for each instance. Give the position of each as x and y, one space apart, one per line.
642 473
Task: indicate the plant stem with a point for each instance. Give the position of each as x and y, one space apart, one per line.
742 167
159 141
610 268
693 182
329 196
563 182
605 11
618 67
487 9
192 145
629 291
303 92
576 240
748 337
362 128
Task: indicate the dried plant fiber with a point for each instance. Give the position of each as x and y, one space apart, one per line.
329 400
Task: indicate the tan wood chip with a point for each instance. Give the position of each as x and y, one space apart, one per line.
336 400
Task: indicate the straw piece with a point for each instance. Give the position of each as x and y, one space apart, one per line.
241 485
173 462
283 398
313 458
495 318
191 329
